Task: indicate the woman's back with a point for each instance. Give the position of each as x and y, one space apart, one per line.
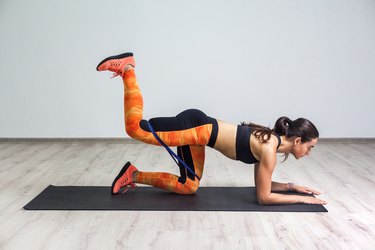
226 141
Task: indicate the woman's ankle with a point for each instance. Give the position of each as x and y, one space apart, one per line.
128 67
135 176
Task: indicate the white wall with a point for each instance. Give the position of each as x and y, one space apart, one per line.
235 60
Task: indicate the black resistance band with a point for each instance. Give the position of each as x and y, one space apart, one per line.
170 151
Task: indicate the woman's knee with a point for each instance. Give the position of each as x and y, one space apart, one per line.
131 131
190 186
134 129
193 190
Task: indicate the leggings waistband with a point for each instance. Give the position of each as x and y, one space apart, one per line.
215 130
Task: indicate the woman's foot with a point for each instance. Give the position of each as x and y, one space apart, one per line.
117 64
124 178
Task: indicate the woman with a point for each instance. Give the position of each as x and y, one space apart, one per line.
192 130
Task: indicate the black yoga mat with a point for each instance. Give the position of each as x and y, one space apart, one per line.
153 199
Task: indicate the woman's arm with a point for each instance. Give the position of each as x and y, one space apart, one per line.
275 186
264 185
279 187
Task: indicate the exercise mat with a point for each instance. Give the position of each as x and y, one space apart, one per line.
153 199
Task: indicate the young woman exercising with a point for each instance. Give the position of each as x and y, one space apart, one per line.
192 130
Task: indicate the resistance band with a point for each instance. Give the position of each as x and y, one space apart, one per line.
170 151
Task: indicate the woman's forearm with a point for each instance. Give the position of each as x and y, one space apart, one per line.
279 187
274 198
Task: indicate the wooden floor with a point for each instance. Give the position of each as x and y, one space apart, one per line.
344 171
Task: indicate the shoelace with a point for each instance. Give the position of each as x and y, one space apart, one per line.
132 185
115 74
115 64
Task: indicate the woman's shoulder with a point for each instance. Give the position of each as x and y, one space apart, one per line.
268 148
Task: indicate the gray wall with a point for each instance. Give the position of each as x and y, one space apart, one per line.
235 60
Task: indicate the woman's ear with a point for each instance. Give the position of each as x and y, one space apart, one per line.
298 140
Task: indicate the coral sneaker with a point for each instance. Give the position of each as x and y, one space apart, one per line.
117 63
124 178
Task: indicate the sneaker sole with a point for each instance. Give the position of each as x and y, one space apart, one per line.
123 170
124 55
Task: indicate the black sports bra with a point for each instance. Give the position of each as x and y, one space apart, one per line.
243 151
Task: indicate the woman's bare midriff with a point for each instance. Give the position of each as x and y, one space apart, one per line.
226 139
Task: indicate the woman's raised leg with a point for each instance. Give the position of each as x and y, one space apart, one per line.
174 131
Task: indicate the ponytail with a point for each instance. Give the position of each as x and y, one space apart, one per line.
263 134
282 125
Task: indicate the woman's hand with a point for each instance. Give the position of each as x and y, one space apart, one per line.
304 190
312 200
308 199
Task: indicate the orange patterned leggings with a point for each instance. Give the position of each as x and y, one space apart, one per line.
190 131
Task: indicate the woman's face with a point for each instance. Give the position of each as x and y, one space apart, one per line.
301 149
